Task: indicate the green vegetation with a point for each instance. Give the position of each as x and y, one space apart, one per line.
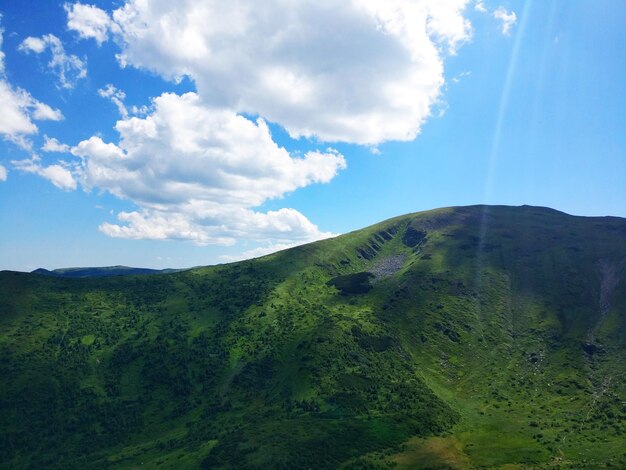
495 338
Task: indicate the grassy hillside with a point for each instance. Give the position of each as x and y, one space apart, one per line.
473 337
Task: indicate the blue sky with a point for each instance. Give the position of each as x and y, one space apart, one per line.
160 135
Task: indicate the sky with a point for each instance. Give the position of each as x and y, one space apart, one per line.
166 134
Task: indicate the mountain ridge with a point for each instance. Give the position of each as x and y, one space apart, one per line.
100 271
119 270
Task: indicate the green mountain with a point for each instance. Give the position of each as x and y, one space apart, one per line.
469 337
105 271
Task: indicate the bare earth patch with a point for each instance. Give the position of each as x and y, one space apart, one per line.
434 452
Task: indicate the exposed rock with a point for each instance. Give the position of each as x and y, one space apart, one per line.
388 266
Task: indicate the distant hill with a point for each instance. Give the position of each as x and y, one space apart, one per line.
464 337
106 271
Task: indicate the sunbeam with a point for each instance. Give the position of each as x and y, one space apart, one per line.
496 141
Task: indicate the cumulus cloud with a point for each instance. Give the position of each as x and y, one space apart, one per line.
362 71
88 21
480 7
116 96
3 173
142 110
43 112
219 227
19 109
508 19
197 172
257 252
15 122
32 44
1 53
68 68
58 174
53 145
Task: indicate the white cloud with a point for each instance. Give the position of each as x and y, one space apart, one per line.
221 227
508 19
32 44
53 145
116 96
142 110
3 173
197 173
19 108
480 7
363 71
460 76
88 21
15 121
43 112
1 53
58 175
258 252
68 68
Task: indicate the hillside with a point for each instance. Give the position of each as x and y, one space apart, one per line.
469 337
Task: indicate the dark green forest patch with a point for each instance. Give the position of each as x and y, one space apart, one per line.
357 283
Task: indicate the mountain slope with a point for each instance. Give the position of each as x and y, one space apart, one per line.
461 337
